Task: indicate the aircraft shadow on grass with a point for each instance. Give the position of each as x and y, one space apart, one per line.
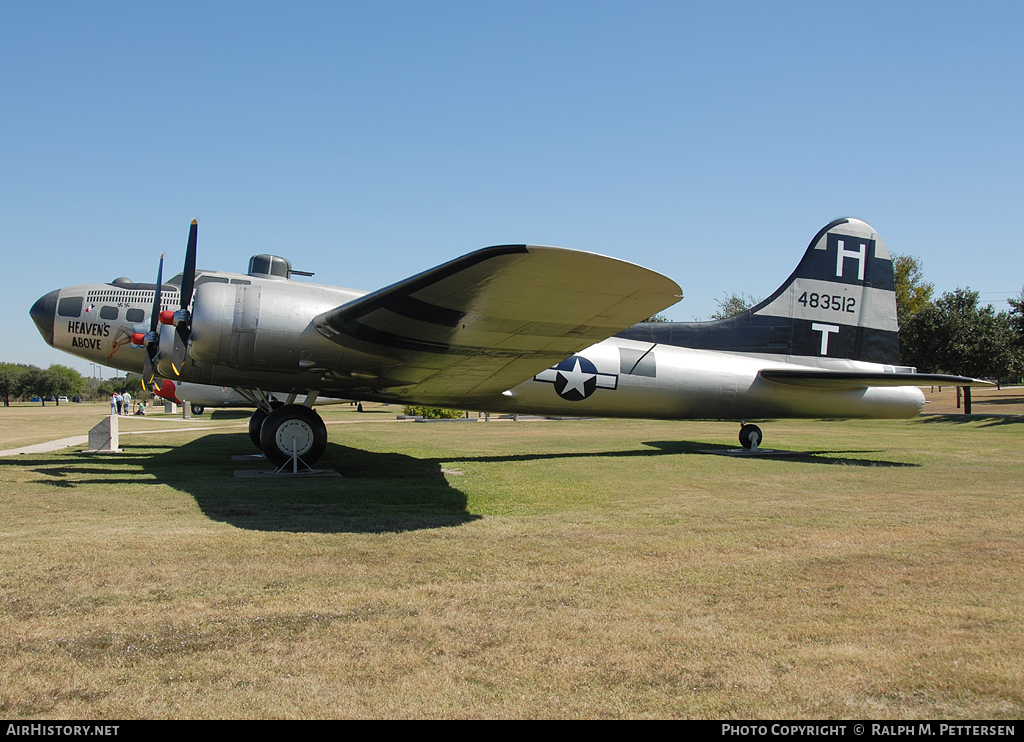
671 448
379 492
100 470
833 457
985 420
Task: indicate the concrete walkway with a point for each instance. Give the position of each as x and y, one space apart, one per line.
81 440
75 440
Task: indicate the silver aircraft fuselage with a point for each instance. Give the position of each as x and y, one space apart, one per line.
688 384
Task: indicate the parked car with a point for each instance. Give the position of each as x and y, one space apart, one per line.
36 398
76 398
62 398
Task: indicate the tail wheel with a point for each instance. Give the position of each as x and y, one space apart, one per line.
750 436
293 429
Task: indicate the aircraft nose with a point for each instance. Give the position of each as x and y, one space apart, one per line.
43 312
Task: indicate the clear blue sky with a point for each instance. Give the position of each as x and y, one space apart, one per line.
370 141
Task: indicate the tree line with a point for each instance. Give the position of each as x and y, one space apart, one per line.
20 381
955 334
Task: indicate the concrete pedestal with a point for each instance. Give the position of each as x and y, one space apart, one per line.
103 437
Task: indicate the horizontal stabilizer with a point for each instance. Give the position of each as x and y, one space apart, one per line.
860 379
487 321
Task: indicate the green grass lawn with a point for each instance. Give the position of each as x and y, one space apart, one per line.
596 569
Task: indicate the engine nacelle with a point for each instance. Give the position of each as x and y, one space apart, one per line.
225 319
256 326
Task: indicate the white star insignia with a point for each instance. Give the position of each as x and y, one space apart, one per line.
575 379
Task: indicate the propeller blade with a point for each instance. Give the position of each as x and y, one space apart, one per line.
183 330
188 279
181 335
148 371
152 347
155 317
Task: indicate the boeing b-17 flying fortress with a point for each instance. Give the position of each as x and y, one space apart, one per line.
512 328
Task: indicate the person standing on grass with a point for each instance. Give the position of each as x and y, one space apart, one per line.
113 403
126 402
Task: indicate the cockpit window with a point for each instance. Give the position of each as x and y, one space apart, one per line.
70 306
108 312
134 315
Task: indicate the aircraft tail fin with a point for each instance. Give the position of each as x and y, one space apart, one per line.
839 303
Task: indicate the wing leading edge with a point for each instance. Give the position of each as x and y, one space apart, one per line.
482 323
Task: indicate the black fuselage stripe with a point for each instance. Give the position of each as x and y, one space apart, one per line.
398 297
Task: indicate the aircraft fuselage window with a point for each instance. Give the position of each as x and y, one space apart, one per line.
134 315
70 306
637 363
108 312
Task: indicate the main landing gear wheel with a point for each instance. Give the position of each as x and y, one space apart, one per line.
198 409
256 423
293 429
750 437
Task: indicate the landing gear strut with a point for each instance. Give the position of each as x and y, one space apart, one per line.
293 429
750 436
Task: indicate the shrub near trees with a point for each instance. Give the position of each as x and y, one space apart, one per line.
434 413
